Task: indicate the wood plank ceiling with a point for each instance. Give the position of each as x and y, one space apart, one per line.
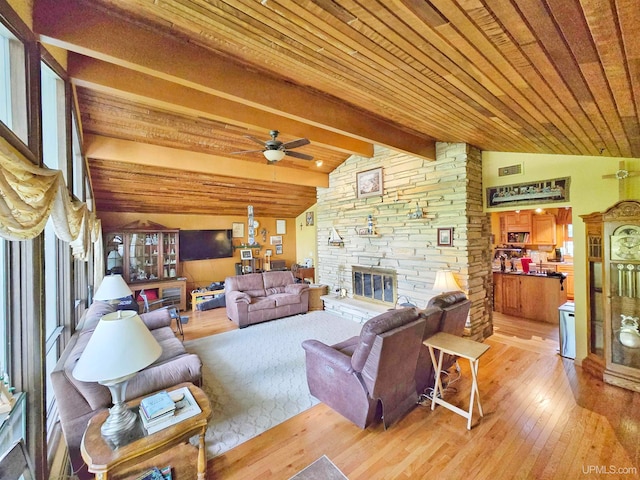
195 76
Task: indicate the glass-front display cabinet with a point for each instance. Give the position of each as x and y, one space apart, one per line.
143 254
614 294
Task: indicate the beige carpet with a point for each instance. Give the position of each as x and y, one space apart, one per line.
321 469
255 377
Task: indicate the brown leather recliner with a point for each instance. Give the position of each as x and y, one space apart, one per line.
370 376
448 313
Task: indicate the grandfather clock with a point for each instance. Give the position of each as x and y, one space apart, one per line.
613 294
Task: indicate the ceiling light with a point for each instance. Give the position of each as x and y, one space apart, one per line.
273 155
318 163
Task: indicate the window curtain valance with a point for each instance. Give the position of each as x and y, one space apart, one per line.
29 195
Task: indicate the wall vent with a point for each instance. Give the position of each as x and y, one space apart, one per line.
510 170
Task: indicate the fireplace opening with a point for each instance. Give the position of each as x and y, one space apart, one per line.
374 284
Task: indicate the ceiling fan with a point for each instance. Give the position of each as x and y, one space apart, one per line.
274 150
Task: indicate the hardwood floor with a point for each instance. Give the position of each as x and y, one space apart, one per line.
544 419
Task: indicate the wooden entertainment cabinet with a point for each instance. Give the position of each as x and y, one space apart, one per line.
173 291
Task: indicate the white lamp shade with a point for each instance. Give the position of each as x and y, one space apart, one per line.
274 155
121 345
445 282
112 287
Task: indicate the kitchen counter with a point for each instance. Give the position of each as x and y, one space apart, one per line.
535 296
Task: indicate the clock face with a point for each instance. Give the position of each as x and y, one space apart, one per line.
256 224
625 243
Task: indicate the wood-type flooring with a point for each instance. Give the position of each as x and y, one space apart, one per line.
544 419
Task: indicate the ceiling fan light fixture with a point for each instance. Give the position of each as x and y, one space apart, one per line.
273 155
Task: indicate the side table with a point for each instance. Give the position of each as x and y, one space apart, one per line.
199 297
315 292
461 347
142 451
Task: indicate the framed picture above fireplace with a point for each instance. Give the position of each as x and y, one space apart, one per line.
445 237
369 183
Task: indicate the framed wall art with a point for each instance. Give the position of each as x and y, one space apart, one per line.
281 227
445 237
278 249
238 229
540 191
369 183
275 240
309 219
246 254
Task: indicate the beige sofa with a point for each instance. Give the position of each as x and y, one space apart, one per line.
78 401
259 297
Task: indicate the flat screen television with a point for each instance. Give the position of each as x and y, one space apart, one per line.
205 244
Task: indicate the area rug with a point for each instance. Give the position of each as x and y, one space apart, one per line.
255 377
321 469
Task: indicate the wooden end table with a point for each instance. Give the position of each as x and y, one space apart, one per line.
315 292
461 347
142 451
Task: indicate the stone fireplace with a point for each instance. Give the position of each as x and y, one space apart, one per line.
374 284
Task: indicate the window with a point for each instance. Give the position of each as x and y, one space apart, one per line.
568 240
54 137
13 91
56 269
4 308
78 162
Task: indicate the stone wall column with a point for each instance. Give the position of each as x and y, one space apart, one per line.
447 191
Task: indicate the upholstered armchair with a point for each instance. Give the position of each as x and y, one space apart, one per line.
448 313
371 375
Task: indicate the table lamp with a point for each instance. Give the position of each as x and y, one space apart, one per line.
445 282
121 346
113 287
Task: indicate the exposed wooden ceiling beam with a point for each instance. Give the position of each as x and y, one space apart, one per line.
123 82
163 157
75 26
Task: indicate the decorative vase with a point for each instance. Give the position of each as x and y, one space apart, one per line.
629 334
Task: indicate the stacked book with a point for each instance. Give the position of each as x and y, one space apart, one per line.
156 408
156 473
163 409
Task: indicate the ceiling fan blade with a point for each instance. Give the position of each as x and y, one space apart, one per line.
258 141
246 151
297 143
303 156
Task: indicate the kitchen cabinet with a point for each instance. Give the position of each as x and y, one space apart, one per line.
568 282
143 252
613 294
535 297
511 294
497 293
515 227
543 229
517 221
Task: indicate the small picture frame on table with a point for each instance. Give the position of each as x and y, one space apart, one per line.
445 237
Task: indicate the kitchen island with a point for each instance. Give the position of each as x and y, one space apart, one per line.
532 296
